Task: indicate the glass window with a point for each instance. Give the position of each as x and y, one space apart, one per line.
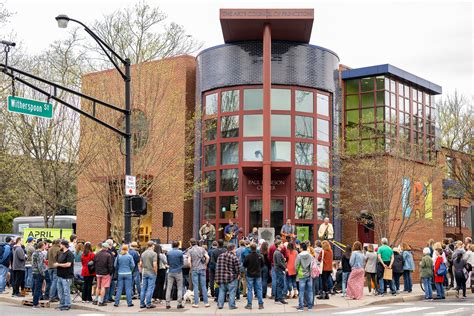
230 180
392 86
323 182
229 153
304 101
210 129
281 125
230 126
211 104
210 155
352 86
209 208
400 89
304 154
323 130
281 151
367 84
210 181
393 100
322 156
304 180
352 117
253 99
281 99
230 101
322 104
253 125
352 133
352 147
352 102
253 151
379 81
304 207
367 100
368 146
229 206
323 208
303 126
381 98
380 113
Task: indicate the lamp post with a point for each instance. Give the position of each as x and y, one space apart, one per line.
63 21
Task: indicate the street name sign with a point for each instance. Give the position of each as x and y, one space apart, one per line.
130 185
30 107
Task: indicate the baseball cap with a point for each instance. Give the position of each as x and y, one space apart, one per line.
30 239
105 245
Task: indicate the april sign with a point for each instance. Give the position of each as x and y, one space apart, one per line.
30 107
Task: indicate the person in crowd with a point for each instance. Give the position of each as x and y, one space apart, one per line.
438 275
207 233
47 280
326 231
253 264
103 266
317 281
287 230
159 291
72 243
448 250
371 269
355 283
385 261
65 271
271 251
430 245
346 268
265 268
231 232
133 251
279 265
149 266
87 259
253 236
113 276
458 250
211 268
242 280
291 254
29 249
227 275
6 256
408 268
39 269
459 264
124 265
302 264
397 267
198 260
53 252
18 268
469 257
175 274
325 257
426 273
213 265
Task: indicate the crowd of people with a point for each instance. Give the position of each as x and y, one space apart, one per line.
227 270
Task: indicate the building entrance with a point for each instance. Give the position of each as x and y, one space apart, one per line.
277 213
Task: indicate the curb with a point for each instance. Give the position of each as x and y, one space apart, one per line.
406 299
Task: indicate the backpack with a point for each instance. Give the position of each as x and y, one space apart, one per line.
91 267
468 267
315 272
442 270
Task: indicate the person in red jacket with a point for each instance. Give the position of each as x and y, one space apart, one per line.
87 256
439 279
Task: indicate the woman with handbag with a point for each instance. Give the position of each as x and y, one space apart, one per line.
440 272
325 257
408 268
87 272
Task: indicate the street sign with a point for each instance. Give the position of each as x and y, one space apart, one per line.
30 107
130 185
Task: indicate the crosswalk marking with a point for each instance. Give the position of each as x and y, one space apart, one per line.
452 311
404 310
360 311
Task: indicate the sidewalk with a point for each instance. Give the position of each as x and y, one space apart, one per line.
335 301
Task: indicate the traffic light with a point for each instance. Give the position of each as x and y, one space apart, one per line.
139 205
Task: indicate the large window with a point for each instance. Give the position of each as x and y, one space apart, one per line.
210 181
211 104
281 151
303 127
229 153
230 126
304 154
209 208
304 207
229 207
253 151
304 180
253 125
281 99
253 99
304 101
281 125
323 104
210 155
229 180
230 101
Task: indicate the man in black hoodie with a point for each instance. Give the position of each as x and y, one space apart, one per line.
280 270
103 265
253 262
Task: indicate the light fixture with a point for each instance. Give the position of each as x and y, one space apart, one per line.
62 20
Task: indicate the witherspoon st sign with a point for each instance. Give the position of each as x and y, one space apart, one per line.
30 107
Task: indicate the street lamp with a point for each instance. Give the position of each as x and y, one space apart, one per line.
63 21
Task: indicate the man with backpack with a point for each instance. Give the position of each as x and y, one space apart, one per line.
303 266
253 264
5 261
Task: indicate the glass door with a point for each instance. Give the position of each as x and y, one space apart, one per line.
277 214
255 213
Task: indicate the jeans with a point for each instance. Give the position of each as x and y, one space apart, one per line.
264 281
178 278
345 277
306 293
461 283
291 282
317 285
273 282
3 277
148 286
223 289
199 276
18 281
280 284
124 280
37 287
47 280
212 278
136 282
254 284
28 277
439 289
407 281
382 286
53 276
396 280
64 291
427 287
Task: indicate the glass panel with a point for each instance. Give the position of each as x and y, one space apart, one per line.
230 101
230 126
210 181
304 180
304 207
400 89
352 147
352 133
210 155
281 125
392 86
352 117
393 100
229 153
210 129
303 126
209 208
322 104
281 99
322 156
253 151
253 125
304 154
323 130
211 104
253 99
255 213
367 100
304 101
281 151
379 81
368 146
381 98
352 102
323 208
367 115
352 86
323 182
229 206
368 130
230 180
379 114
367 84
277 209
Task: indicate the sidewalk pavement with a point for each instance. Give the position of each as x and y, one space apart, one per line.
335 301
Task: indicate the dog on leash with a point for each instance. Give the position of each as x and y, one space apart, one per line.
188 297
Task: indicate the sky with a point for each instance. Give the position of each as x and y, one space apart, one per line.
431 39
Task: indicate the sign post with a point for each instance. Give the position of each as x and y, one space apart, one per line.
130 185
30 107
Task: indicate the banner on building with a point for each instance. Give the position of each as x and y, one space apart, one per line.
406 208
428 201
47 233
419 194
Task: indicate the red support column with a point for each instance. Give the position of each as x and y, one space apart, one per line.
267 159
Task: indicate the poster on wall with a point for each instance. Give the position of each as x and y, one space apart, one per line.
419 194
302 233
406 209
428 201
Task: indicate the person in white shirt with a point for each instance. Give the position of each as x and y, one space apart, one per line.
326 231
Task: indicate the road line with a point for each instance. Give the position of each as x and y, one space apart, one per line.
459 304
404 310
452 311
360 311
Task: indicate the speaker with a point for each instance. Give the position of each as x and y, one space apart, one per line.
139 205
167 219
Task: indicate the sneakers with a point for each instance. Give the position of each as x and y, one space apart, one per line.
195 306
248 306
180 306
260 306
233 307
36 306
102 304
207 305
168 307
300 309
283 302
151 306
